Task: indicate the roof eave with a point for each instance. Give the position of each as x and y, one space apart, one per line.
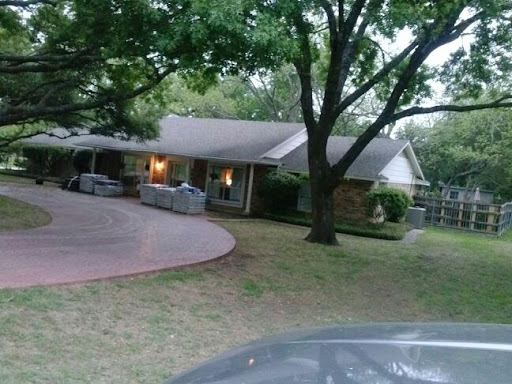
191 156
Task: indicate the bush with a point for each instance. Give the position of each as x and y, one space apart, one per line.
388 203
41 159
279 190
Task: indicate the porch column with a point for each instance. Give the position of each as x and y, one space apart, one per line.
249 190
93 161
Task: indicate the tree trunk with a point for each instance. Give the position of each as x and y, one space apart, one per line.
322 188
322 205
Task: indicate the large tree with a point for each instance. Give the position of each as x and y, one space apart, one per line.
380 47
78 64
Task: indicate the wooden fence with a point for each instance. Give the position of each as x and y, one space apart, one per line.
470 216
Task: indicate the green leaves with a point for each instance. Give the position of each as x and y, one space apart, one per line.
471 148
389 203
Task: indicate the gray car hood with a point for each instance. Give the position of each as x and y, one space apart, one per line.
382 353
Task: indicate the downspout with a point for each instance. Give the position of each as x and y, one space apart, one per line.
249 190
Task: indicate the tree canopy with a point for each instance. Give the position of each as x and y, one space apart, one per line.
79 63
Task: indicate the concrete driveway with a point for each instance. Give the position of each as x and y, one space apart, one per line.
94 237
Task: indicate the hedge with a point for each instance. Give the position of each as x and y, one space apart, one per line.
387 231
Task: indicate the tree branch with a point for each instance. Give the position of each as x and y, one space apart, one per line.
499 103
331 21
386 70
428 43
16 115
41 64
25 3
47 58
350 23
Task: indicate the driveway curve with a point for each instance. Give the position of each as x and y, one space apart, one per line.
92 237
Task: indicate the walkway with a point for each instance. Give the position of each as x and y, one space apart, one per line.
411 236
94 237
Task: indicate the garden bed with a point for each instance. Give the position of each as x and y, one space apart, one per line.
385 231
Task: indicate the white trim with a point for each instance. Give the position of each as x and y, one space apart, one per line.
281 150
249 191
190 166
151 168
207 178
415 163
236 204
411 156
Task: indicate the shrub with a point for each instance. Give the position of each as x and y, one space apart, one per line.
279 190
388 203
41 159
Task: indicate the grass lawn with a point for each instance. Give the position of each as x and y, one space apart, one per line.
141 330
26 179
15 179
386 231
15 214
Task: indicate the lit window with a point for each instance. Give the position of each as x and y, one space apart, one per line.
225 183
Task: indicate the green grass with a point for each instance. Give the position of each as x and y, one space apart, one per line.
385 231
15 179
20 177
144 329
15 215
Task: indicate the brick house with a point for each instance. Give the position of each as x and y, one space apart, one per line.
229 158
384 162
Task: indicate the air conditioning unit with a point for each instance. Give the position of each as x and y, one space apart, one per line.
416 217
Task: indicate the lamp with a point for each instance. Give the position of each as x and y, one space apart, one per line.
159 166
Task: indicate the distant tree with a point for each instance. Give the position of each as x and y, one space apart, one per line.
471 150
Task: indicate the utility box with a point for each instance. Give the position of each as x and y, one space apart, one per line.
416 217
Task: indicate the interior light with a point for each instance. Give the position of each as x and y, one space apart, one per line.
229 182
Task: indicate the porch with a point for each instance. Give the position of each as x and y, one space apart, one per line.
229 185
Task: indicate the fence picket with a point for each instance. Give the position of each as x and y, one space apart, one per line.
483 218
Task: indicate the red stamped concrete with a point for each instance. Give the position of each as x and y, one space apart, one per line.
93 237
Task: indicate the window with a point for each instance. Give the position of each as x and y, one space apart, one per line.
454 195
134 171
225 183
177 173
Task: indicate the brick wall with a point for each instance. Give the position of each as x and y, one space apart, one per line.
350 202
260 171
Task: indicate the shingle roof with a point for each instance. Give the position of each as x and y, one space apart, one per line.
245 141
209 138
368 165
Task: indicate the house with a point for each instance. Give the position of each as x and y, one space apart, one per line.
229 158
463 194
384 162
